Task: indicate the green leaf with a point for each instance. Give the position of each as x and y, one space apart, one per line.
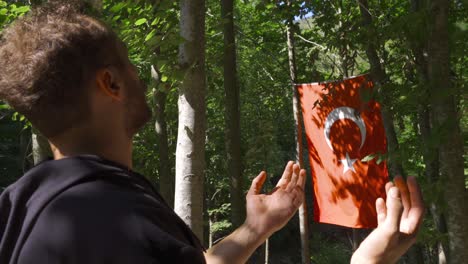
114 19
164 78
117 7
150 35
140 21
21 9
270 6
368 158
380 159
3 11
155 21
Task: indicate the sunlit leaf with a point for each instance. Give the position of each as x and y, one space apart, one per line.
117 7
368 158
140 21
150 35
21 9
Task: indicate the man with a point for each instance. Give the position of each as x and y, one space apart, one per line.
70 75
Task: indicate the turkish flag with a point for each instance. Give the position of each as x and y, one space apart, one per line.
344 127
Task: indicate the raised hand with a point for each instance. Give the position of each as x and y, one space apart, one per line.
399 219
267 213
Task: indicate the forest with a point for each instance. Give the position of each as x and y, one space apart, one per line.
226 69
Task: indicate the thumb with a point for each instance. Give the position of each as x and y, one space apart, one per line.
257 184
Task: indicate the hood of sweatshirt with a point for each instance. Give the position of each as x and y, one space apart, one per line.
22 202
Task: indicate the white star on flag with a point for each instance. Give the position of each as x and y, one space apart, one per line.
348 164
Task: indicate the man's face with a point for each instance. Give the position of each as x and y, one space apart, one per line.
136 108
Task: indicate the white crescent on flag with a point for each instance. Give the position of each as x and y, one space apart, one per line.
344 112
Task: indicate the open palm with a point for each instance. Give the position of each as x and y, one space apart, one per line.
399 219
267 213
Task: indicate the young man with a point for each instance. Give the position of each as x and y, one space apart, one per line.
70 75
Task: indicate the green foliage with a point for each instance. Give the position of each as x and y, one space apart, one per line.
220 214
330 44
221 226
13 126
328 251
9 12
150 31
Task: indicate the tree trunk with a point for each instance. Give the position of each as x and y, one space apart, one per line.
26 161
190 152
379 78
303 216
430 153
446 119
232 115
267 251
430 156
166 180
40 147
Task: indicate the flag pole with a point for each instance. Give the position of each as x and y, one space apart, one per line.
303 216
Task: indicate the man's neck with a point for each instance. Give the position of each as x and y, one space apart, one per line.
115 149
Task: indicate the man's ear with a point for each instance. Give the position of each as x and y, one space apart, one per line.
108 82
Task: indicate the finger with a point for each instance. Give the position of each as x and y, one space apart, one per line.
257 184
286 174
302 179
417 206
388 186
381 211
294 178
394 210
404 193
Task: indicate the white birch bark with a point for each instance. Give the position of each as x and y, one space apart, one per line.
40 147
190 152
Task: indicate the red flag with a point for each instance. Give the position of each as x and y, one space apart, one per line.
343 127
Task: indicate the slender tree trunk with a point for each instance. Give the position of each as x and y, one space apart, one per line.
345 65
166 180
446 117
379 78
40 147
431 161
26 161
210 232
190 152
232 115
303 216
430 153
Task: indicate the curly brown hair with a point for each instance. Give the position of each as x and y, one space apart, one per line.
48 58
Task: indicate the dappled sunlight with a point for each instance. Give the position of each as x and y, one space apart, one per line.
342 129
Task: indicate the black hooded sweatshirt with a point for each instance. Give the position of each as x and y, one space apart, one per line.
89 210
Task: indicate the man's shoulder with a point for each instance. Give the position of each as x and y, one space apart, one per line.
102 199
104 208
95 222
